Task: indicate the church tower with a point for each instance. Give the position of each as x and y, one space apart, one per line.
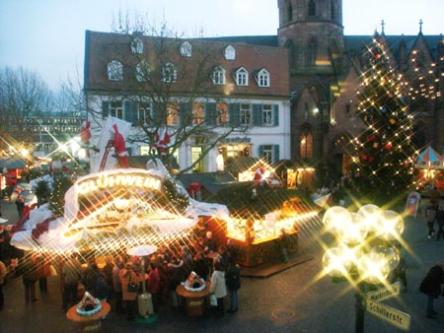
312 31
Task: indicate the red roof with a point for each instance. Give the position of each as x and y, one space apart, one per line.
101 48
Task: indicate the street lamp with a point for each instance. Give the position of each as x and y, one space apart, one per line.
364 253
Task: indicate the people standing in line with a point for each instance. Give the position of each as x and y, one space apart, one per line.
3 272
71 279
154 285
130 280
233 285
431 214
431 286
29 279
117 285
90 277
440 220
218 287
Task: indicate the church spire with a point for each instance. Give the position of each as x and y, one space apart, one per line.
382 27
421 22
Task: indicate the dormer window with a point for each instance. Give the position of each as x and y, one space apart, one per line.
169 73
142 71
219 76
115 70
241 77
186 50
137 46
230 53
263 78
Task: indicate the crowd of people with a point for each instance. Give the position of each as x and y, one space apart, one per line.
119 278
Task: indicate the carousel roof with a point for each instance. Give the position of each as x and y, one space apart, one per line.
429 157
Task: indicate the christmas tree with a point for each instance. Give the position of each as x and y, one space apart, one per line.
57 200
382 168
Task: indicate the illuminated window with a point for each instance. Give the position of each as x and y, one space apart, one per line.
144 150
263 78
115 71
245 115
198 113
306 145
267 153
219 76
241 77
172 114
186 49
136 46
230 53
144 113
116 110
222 114
142 71
267 115
169 73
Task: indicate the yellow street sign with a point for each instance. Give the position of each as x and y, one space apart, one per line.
391 315
384 293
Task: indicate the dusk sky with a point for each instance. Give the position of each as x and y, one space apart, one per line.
47 36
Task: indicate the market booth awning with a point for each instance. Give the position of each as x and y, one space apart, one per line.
429 158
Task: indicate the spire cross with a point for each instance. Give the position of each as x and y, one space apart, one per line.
382 27
421 22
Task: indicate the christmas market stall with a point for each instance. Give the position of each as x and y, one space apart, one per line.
261 174
430 166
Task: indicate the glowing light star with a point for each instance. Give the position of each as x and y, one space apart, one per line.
354 231
391 226
370 216
374 267
338 261
335 219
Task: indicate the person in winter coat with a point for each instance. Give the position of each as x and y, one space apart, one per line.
431 286
154 285
29 279
233 285
71 278
3 272
440 220
90 277
218 287
117 285
130 280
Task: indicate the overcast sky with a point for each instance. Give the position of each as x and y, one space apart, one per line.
47 36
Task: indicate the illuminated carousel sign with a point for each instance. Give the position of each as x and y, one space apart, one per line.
131 178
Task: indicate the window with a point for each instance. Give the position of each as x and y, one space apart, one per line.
306 144
230 53
219 76
222 114
186 50
311 8
116 110
172 114
144 150
115 70
136 46
198 113
242 77
142 71
263 78
289 12
169 73
267 115
333 10
267 153
245 115
145 113
310 56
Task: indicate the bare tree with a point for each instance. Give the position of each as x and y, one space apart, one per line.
22 93
171 84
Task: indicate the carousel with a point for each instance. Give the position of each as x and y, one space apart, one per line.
430 166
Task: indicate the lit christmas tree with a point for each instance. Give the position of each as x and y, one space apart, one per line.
382 166
57 199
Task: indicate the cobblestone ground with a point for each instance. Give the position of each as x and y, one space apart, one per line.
291 301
